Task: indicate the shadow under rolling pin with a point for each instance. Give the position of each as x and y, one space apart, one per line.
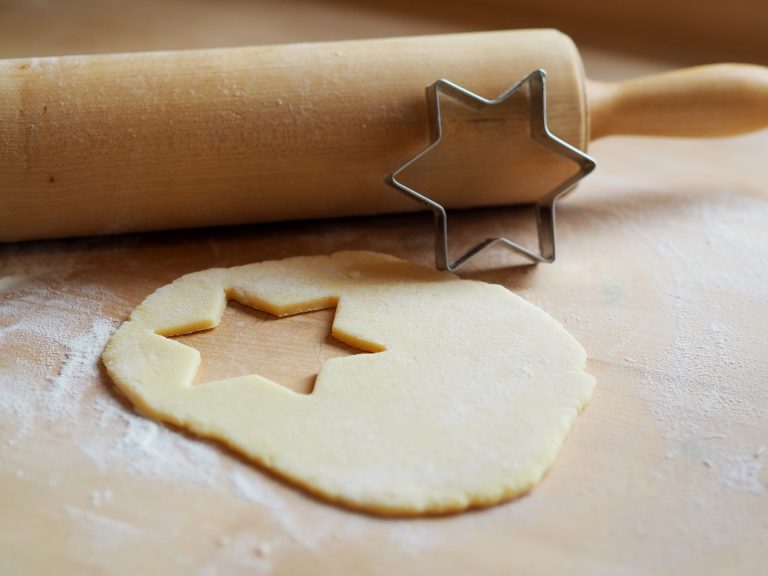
147 141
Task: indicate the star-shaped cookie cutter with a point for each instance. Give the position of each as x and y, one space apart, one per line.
539 131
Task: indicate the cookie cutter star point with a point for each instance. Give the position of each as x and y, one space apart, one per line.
539 132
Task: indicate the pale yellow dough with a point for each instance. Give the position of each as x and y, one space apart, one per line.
466 402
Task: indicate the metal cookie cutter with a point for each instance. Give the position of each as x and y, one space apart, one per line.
539 132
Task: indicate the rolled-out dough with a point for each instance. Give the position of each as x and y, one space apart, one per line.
465 403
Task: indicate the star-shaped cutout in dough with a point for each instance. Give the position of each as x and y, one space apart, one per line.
539 133
288 350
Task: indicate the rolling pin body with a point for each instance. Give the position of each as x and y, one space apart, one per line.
147 141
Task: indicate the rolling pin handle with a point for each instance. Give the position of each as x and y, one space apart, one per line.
704 101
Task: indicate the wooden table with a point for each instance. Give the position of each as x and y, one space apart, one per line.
662 275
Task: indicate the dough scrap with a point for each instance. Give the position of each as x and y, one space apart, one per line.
465 403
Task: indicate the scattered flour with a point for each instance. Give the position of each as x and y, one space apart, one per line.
702 390
100 497
63 383
65 393
711 389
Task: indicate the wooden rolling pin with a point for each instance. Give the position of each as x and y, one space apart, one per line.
146 141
